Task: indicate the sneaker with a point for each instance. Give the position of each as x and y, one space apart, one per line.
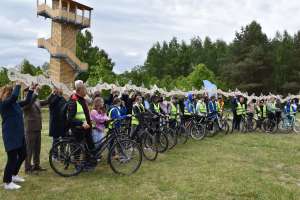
18 179
11 186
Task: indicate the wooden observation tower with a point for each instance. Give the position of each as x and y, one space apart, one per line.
68 18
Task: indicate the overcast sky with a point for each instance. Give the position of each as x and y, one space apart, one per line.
126 29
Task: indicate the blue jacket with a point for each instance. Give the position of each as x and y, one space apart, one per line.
189 104
212 107
288 107
12 120
116 113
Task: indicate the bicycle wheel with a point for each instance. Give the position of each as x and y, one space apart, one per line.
232 127
198 132
225 127
125 157
67 158
182 135
252 126
270 126
172 137
149 146
243 126
162 142
211 129
296 127
284 126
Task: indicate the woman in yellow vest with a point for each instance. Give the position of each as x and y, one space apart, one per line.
155 105
240 111
201 107
137 110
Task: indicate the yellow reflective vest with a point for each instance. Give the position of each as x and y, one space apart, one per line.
80 116
241 109
174 111
134 120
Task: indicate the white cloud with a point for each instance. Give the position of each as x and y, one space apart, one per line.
126 29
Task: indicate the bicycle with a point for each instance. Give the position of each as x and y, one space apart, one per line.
270 124
194 125
68 157
147 141
248 123
289 123
180 130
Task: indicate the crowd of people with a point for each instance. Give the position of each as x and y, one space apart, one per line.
87 117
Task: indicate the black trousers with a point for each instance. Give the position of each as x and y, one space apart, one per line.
238 121
81 134
15 158
234 121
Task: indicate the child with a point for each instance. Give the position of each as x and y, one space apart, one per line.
98 117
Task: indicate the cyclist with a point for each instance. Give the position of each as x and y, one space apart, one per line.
137 110
174 112
79 119
189 106
240 111
294 106
155 105
116 112
271 109
79 115
212 106
261 111
220 104
290 109
201 107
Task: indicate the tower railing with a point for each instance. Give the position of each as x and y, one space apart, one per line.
60 52
64 14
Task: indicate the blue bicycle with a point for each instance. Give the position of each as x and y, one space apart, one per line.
289 123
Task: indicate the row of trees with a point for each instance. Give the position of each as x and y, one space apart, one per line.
251 62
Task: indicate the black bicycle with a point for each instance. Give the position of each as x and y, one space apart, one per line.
68 157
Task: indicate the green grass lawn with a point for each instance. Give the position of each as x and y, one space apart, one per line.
238 166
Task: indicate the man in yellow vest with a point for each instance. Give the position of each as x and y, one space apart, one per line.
79 115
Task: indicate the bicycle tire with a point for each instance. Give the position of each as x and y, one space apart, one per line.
182 135
149 145
121 153
57 155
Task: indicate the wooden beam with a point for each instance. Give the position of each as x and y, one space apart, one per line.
68 10
75 13
90 15
82 18
60 4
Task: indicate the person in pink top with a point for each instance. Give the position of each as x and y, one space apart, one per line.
98 117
